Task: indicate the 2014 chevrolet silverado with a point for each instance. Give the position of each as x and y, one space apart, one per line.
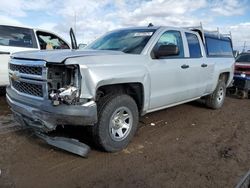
120 76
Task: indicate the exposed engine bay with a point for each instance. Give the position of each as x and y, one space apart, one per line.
64 84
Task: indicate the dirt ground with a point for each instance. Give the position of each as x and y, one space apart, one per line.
186 146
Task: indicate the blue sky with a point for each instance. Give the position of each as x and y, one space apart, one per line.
94 18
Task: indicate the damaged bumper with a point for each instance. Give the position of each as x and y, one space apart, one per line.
67 144
44 117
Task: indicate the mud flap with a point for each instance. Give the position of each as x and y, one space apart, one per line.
68 144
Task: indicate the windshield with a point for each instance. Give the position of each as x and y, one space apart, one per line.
243 58
130 41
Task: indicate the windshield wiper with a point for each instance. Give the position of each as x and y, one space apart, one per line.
116 49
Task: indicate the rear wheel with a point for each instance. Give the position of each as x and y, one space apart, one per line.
2 91
117 122
217 98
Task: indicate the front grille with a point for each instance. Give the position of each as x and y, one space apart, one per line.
29 77
27 69
28 88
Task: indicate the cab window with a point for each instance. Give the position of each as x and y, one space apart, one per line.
48 41
172 38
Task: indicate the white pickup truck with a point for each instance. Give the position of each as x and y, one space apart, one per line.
16 39
120 76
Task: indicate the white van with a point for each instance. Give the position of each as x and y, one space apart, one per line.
15 39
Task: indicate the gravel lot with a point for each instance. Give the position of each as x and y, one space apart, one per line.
184 146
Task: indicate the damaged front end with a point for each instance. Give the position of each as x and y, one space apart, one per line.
43 96
64 84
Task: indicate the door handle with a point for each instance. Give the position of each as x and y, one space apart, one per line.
204 65
185 66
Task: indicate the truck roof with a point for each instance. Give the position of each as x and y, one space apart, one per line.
153 27
213 34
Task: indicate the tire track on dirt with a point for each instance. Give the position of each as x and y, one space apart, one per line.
8 124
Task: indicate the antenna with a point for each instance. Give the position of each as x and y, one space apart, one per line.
74 21
244 47
218 32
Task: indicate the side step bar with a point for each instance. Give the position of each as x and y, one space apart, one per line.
68 144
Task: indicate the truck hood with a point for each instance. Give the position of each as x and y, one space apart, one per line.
58 56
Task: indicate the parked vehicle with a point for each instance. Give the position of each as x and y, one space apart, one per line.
120 76
242 75
16 39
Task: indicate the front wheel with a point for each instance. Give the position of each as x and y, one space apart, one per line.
217 98
117 122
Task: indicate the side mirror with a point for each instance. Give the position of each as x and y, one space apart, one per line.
166 50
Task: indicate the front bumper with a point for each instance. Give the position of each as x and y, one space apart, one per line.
45 117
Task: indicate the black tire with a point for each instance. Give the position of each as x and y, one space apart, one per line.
241 94
107 109
217 98
2 91
231 91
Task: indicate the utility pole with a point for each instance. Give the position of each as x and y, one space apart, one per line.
244 46
75 22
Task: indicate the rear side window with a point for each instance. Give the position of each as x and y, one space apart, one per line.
218 47
17 37
193 45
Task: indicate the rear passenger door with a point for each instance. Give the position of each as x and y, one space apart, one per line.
199 64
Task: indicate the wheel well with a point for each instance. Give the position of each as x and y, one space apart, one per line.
224 76
135 90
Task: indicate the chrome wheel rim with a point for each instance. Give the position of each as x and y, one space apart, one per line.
120 124
220 95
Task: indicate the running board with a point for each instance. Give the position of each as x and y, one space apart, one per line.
68 144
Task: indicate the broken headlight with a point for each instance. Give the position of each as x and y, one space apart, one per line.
64 84
67 95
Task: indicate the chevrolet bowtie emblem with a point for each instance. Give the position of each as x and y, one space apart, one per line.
15 76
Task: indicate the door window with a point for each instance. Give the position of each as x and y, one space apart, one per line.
172 38
193 45
48 41
17 37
